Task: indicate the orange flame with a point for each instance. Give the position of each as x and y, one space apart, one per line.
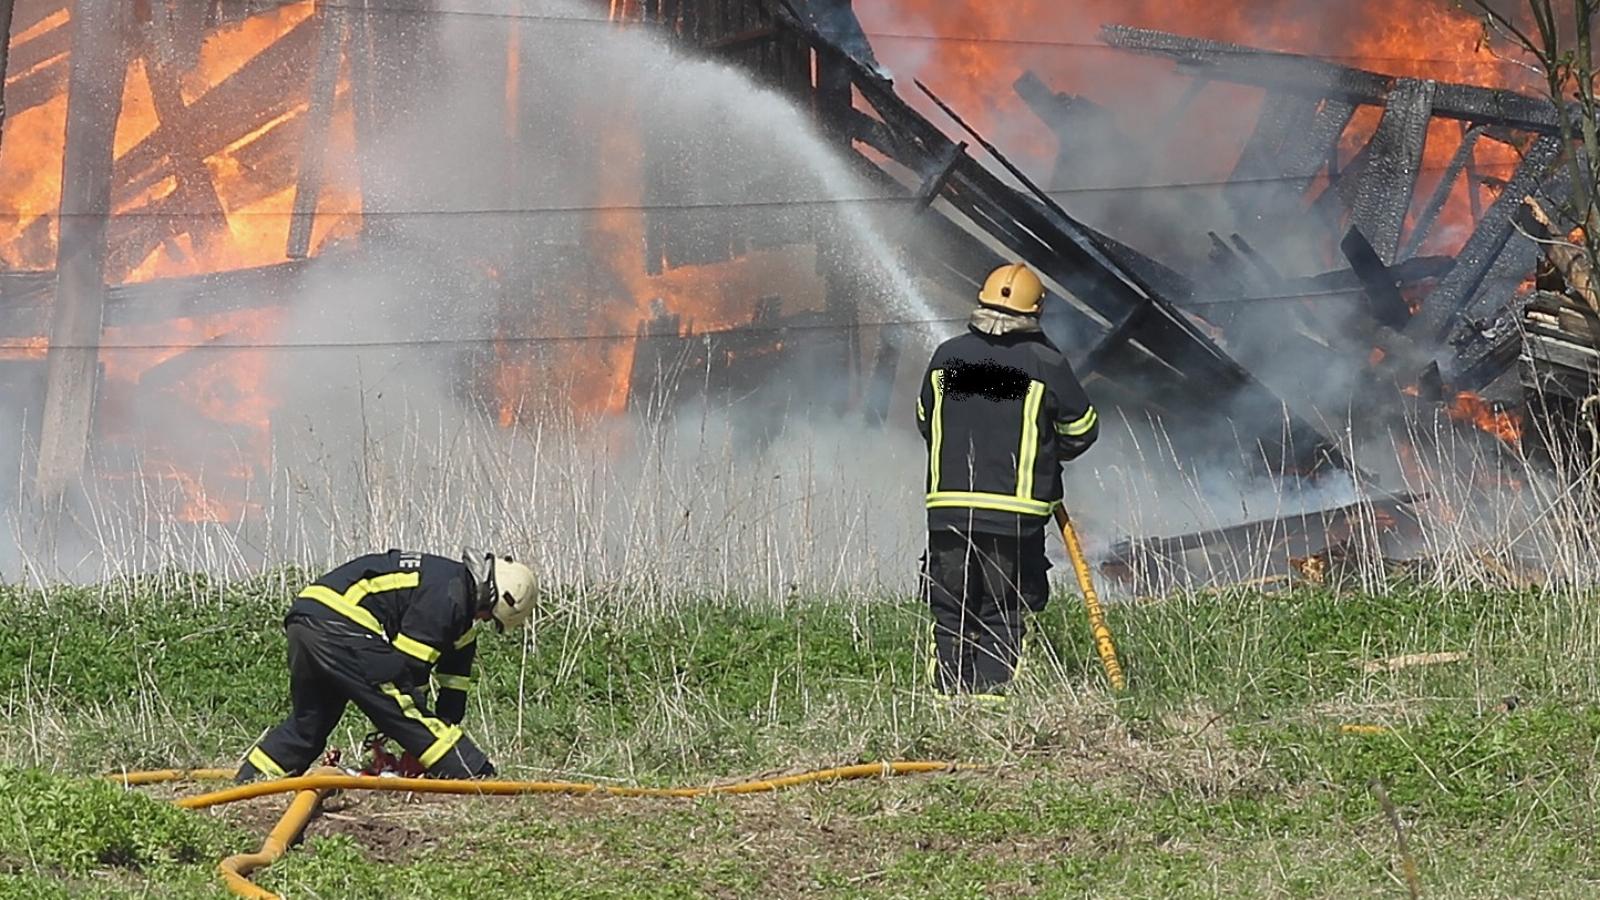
254 178
972 52
1474 410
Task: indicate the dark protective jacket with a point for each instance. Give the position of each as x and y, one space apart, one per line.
423 606
1000 413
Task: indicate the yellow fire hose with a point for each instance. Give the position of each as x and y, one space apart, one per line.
1091 602
236 869
310 789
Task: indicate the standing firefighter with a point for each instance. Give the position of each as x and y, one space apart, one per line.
1000 410
370 633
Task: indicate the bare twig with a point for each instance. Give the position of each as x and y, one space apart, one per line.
1408 863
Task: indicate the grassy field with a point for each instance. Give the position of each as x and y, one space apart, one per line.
1224 772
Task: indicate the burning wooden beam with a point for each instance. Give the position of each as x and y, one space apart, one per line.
1462 159
1277 142
1076 257
1384 300
251 98
195 197
1441 308
1393 162
1272 541
26 309
93 100
40 63
1237 63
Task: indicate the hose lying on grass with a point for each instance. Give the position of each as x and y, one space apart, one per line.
310 789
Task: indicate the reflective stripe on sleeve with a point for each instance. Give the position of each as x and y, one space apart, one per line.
1080 426
453 682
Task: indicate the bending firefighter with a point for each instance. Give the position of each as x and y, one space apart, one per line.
371 632
1000 411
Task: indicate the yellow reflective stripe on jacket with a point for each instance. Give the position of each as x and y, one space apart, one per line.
348 604
333 600
444 736
936 443
265 764
470 637
453 682
922 414
998 502
1080 426
397 581
1028 450
412 647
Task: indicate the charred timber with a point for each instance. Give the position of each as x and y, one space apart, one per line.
1275 144
196 194
1487 353
1300 534
1393 162
1068 252
1462 159
25 296
1384 300
214 121
1269 69
98 71
1442 307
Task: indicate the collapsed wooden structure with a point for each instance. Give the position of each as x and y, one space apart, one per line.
1155 338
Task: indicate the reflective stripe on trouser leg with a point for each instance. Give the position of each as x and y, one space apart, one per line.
265 764
445 736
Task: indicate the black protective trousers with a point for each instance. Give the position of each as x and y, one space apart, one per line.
331 666
978 586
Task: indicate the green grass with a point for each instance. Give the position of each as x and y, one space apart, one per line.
1223 773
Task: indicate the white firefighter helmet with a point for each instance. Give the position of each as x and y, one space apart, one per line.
515 590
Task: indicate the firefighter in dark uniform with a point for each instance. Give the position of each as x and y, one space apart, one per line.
1000 410
371 632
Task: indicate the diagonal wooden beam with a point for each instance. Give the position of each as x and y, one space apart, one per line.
249 99
196 198
1394 159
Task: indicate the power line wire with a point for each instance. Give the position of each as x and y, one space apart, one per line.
703 207
905 36
734 331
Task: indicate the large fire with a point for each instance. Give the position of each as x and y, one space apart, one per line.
970 51
253 177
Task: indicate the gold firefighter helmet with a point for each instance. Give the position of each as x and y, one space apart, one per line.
1013 288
